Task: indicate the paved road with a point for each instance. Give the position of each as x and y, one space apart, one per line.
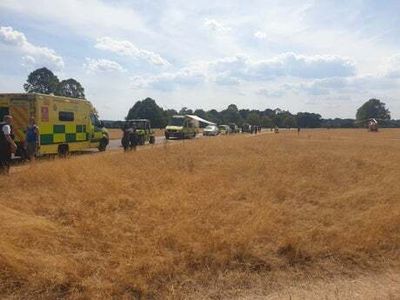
116 144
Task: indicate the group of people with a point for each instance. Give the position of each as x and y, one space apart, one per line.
254 129
130 137
9 147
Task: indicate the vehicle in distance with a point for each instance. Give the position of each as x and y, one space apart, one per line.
234 128
180 127
65 124
246 127
211 130
143 129
224 129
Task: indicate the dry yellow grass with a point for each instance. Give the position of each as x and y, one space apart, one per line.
228 217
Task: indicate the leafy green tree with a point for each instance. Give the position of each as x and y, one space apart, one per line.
185 111
373 108
308 120
231 115
214 116
286 120
148 109
253 118
41 81
201 113
266 122
70 88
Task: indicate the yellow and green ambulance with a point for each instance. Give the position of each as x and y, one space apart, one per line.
65 124
181 127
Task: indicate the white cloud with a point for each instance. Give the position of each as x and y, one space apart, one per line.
102 66
88 18
239 69
34 56
216 26
393 66
284 65
126 48
189 76
273 93
260 35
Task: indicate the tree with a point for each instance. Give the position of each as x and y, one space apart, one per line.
253 118
214 116
308 120
148 109
373 108
185 111
201 113
70 88
231 115
41 81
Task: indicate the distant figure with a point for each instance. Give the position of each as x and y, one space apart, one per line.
7 145
125 141
32 140
133 139
298 130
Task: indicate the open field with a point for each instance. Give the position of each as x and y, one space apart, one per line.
274 215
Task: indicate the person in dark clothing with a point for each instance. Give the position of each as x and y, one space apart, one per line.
7 145
133 139
125 141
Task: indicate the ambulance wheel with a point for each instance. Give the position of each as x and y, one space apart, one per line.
63 150
103 144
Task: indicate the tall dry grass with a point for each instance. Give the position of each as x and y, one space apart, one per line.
213 218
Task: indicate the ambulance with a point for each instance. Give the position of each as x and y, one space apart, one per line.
65 124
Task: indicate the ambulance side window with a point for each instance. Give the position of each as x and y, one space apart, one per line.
66 116
95 121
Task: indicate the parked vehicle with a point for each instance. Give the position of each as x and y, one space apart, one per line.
65 124
224 129
246 127
181 127
143 130
211 130
234 128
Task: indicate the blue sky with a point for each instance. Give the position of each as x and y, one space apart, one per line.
321 56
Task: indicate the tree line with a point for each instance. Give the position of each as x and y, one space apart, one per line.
373 108
44 81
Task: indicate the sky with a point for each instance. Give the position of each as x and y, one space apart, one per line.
322 56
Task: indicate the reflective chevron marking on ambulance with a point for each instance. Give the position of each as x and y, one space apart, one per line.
60 133
20 115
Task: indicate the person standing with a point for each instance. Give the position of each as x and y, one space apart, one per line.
7 145
133 139
32 140
125 141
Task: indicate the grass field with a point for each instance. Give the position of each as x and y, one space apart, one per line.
277 215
